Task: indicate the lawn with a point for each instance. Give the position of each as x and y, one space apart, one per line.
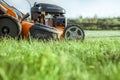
102 33
93 59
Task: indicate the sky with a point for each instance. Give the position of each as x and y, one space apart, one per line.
76 8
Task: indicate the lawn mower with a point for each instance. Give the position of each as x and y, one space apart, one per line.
47 22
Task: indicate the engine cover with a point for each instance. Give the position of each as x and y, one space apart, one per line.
48 8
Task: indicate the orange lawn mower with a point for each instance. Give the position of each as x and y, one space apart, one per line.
48 22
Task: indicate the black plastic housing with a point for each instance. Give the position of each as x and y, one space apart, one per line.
42 32
48 8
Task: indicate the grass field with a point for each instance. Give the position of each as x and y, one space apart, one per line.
93 59
102 34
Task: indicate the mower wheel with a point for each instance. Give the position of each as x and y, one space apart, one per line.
9 27
74 32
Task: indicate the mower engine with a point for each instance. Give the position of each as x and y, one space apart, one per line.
48 14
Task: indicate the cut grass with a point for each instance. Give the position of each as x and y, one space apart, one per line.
94 59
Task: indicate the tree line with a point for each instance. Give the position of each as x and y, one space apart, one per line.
97 23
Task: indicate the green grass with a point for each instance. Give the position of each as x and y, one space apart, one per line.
102 33
94 59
